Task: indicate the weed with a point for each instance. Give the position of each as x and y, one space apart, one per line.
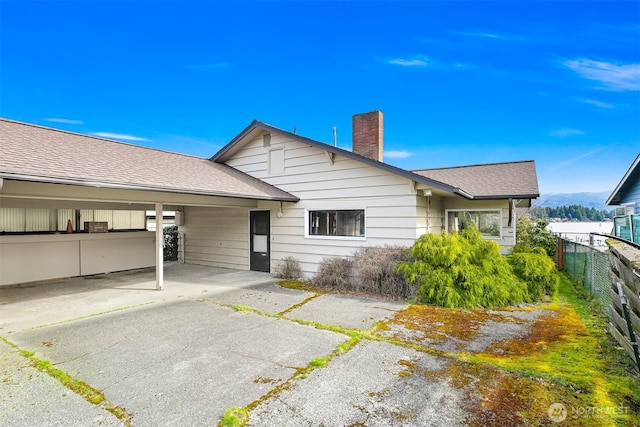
318 362
234 417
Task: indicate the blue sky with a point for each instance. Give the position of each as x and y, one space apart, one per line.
458 82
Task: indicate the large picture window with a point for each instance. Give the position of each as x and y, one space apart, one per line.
348 223
488 222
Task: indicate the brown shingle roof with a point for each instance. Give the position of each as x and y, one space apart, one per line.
36 153
490 181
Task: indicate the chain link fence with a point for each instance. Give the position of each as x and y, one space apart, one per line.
589 266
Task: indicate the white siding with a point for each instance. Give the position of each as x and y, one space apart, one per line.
216 237
390 203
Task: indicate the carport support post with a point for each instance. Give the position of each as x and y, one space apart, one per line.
159 248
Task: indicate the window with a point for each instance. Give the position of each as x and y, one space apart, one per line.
488 222
348 223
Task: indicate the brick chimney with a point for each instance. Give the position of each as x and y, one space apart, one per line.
367 134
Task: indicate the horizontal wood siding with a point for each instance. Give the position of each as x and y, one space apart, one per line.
633 196
389 201
217 237
435 215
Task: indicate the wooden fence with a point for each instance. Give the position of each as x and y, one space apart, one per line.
624 261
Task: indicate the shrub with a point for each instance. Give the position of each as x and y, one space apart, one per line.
536 269
170 250
334 273
288 268
534 234
375 271
462 270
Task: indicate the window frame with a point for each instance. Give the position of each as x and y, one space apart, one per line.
497 211
307 225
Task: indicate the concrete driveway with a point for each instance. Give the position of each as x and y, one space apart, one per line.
216 339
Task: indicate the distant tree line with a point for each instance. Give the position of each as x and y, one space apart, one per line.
570 213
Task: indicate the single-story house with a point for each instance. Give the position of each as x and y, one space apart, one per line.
266 195
626 198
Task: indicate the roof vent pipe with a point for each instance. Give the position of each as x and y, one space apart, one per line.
335 137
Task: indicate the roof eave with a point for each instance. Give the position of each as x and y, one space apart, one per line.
221 157
117 186
622 182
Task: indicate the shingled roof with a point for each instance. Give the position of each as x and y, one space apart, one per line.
36 153
516 180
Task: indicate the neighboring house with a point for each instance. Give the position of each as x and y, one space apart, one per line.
626 197
266 195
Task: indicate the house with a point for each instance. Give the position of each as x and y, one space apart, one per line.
626 197
266 195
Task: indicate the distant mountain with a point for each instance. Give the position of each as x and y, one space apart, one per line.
589 200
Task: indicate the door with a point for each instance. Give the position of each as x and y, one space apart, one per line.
260 258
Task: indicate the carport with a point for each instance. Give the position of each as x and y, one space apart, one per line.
44 168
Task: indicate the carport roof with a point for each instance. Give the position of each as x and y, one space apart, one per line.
39 154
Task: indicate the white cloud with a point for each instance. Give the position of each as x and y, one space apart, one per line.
118 136
577 158
565 132
416 61
597 103
612 76
66 121
397 154
480 34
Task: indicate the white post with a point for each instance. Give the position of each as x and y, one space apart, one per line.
159 248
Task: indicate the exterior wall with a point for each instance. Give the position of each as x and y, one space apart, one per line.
508 234
431 213
27 258
390 202
633 196
217 237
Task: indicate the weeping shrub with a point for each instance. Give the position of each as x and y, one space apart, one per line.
375 271
536 269
462 270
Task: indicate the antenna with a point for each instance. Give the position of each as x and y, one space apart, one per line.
335 137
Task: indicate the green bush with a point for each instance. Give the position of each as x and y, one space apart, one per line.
335 273
462 270
534 234
375 271
536 269
288 268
